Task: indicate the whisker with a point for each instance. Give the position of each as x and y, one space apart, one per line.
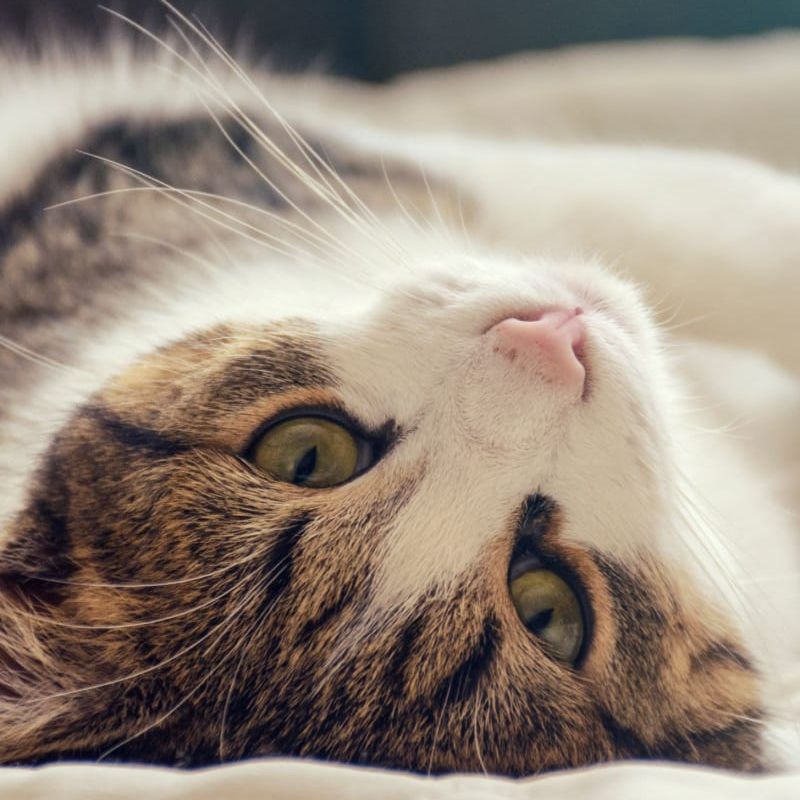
439 718
160 665
437 211
152 585
463 221
400 204
476 739
295 207
143 237
258 621
159 186
36 358
268 240
321 244
311 156
134 624
696 522
242 118
161 719
184 651
228 622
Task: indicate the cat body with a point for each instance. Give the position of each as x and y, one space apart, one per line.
165 599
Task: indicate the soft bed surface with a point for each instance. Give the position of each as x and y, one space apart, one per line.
307 780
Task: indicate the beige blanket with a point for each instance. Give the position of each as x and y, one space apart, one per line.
308 780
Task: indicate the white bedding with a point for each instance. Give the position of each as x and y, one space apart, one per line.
308 780
288 779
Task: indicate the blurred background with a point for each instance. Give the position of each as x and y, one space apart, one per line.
377 39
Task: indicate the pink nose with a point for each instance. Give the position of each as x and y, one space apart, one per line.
554 340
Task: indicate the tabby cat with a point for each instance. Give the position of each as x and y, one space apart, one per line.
322 439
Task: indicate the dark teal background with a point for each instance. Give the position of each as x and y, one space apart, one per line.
375 39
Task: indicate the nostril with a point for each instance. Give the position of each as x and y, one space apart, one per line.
548 313
550 331
553 340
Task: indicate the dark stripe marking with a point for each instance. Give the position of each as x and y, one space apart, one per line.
52 522
464 680
135 436
626 742
38 554
409 635
293 359
281 564
721 653
328 613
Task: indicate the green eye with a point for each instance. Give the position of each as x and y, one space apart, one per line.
309 451
551 611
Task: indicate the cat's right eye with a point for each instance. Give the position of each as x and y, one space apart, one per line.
311 451
550 610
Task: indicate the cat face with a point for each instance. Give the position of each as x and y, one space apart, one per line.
171 595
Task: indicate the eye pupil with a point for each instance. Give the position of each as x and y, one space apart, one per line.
541 620
306 466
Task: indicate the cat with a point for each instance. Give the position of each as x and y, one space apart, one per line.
322 438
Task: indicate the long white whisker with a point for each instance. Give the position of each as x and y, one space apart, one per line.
439 718
311 156
242 118
154 584
189 648
267 239
315 240
36 358
166 715
476 739
442 225
400 204
257 622
161 664
171 246
295 207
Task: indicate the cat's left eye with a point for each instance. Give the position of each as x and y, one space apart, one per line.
311 451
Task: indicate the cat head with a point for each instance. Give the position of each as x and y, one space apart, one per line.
399 537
